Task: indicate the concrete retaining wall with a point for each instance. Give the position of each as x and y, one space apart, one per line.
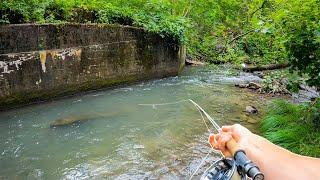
40 62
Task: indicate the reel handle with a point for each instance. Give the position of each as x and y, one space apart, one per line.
245 165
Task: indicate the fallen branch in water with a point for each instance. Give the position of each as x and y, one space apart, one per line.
265 67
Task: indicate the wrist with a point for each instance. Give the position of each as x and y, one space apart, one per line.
252 148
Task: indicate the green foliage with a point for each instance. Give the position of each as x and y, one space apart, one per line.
281 82
275 82
218 31
294 81
296 26
162 24
154 16
303 43
294 127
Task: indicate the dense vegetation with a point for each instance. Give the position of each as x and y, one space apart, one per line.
217 31
295 127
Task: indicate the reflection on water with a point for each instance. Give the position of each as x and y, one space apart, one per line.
111 136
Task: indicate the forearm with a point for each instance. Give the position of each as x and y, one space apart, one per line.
278 163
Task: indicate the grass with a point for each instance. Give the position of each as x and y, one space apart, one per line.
293 127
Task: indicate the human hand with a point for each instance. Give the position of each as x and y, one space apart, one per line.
231 138
219 142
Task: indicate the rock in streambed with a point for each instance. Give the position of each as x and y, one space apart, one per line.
74 119
70 120
251 110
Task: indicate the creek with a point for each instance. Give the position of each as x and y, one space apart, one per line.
113 137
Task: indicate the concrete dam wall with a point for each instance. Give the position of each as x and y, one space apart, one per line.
41 62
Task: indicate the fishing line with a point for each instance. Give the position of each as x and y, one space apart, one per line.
215 125
202 161
163 104
177 102
204 120
201 111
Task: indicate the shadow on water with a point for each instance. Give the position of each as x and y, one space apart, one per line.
106 134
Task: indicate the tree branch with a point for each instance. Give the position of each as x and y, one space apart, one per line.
262 6
241 35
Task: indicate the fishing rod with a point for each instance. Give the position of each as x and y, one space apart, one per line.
226 168
213 122
239 167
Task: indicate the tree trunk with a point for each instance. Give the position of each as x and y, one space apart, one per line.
265 67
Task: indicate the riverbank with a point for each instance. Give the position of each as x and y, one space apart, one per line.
294 126
293 120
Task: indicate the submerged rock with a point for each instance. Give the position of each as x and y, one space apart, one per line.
305 94
241 85
68 121
253 85
251 110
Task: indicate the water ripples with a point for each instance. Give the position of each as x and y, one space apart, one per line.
119 139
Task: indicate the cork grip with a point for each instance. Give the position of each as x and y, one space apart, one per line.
232 146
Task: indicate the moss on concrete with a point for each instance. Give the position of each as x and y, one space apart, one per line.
77 58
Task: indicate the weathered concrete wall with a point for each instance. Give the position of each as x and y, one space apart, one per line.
40 62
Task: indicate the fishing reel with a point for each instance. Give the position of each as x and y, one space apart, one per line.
238 168
223 169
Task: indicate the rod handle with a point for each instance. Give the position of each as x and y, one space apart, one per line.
245 165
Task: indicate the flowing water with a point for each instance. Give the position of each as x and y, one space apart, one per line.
115 138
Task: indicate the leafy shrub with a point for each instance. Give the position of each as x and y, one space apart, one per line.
154 16
166 26
281 82
275 82
298 22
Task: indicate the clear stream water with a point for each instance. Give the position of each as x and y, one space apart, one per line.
120 139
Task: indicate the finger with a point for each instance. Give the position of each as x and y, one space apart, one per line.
233 130
231 134
222 143
235 136
217 137
227 128
213 141
211 137
226 153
